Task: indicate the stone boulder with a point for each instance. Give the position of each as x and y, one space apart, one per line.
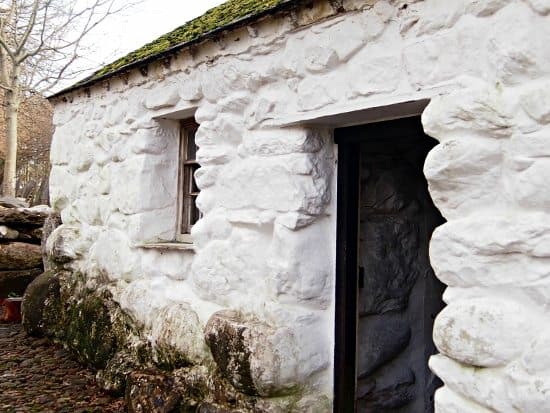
50 224
16 281
20 256
11 202
30 235
151 391
248 354
41 306
22 218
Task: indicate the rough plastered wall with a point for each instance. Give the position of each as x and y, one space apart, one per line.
265 245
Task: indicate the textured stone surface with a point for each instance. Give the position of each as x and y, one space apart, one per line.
249 354
387 339
268 191
482 332
20 256
16 217
41 305
150 391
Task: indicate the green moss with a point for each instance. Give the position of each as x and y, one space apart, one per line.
89 332
220 16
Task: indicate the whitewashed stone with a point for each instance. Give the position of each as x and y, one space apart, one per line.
484 386
375 74
166 263
60 150
281 142
269 185
215 155
214 226
268 350
142 230
139 300
112 256
207 201
143 183
536 103
517 47
206 176
190 90
231 129
540 6
296 278
320 59
485 8
177 328
62 188
115 114
485 332
492 250
206 112
384 10
232 267
481 112
526 184
447 401
349 38
536 358
214 85
312 95
162 97
373 26
259 111
528 393
437 16
146 142
295 220
469 169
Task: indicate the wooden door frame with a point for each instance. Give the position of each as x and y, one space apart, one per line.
347 240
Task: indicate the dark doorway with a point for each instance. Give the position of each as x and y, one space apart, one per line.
386 293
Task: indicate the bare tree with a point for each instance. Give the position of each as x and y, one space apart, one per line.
40 41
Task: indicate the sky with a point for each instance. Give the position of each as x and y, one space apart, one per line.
138 25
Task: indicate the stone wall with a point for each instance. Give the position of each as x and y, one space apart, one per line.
262 268
20 251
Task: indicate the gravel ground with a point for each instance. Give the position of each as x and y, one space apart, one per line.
36 376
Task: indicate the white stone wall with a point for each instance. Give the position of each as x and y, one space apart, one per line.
266 243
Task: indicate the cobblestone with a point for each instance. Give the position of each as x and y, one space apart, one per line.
36 376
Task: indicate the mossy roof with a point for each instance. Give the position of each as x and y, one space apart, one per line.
219 18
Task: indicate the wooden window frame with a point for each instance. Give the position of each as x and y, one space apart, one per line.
188 214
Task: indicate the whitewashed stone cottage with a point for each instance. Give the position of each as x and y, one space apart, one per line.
248 199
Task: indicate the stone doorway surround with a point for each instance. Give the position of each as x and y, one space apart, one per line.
487 177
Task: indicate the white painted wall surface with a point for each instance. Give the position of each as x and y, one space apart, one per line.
266 243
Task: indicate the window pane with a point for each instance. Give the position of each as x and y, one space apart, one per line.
188 190
191 147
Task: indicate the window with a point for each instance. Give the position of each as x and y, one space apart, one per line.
188 212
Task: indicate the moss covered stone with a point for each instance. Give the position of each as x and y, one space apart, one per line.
42 308
89 332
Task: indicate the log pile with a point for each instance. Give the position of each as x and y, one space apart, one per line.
20 252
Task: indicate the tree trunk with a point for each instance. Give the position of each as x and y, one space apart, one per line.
10 164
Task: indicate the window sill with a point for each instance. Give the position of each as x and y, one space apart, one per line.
181 246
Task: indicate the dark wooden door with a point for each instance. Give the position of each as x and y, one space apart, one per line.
392 294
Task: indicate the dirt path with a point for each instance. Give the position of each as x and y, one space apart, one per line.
39 377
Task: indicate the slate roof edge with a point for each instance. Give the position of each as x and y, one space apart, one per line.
286 5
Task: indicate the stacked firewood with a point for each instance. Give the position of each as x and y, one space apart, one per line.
20 252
